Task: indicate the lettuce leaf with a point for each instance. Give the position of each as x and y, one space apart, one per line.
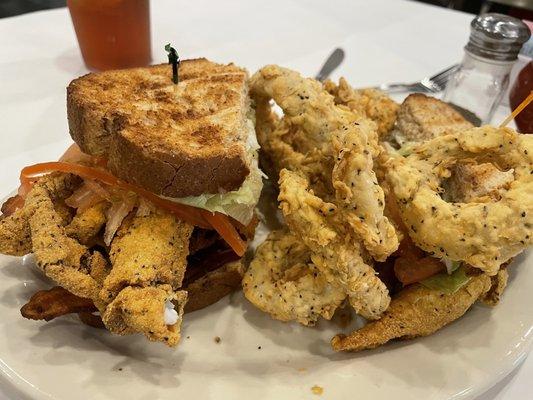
448 284
238 204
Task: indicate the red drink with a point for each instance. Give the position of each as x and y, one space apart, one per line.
112 33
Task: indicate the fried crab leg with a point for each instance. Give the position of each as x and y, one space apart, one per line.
304 103
333 251
374 104
86 225
332 130
484 234
60 257
141 309
283 282
146 250
148 255
360 196
15 233
415 311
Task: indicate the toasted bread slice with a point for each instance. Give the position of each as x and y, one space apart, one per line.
421 118
174 140
214 285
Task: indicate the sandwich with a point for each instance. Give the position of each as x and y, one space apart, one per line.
146 216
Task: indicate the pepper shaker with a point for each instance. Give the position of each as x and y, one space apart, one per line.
483 76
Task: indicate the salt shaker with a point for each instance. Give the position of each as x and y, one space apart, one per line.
483 76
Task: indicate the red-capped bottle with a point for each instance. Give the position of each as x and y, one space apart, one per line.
521 88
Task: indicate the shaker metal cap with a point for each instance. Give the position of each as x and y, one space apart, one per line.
497 37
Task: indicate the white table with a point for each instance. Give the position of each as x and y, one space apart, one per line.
384 40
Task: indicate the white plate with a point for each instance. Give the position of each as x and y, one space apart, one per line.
257 358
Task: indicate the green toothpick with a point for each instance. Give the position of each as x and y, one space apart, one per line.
174 59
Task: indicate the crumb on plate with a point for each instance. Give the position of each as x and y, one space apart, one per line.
318 390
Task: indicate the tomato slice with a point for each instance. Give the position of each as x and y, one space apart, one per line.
412 270
408 249
225 228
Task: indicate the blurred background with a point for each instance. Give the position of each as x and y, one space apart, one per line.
522 9
9 8
116 34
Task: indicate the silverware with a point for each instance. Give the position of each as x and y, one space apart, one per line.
436 83
467 114
333 61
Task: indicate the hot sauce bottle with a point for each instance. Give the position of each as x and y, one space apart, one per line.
521 88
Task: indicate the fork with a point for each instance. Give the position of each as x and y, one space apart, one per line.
436 83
